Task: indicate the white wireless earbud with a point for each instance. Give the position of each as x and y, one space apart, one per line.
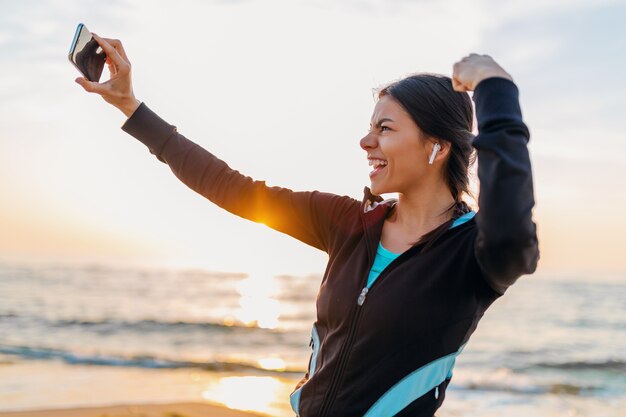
432 155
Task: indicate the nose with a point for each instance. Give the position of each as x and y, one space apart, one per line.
368 141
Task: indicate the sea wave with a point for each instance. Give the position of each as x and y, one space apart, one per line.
135 361
608 365
538 389
112 325
152 325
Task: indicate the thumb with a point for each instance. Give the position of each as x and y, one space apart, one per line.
458 86
89 86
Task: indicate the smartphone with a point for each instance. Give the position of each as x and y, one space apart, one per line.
86 54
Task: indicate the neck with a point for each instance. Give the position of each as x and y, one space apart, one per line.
423 209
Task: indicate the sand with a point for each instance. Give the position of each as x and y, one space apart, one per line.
137 410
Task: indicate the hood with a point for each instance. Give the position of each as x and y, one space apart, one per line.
371 201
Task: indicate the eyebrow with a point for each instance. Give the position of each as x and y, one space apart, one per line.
383 120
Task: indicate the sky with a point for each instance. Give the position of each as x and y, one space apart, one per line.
282 91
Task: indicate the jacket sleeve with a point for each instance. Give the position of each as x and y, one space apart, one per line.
309 216
506 245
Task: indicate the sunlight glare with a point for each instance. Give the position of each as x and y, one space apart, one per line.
248 393
257 305
274 364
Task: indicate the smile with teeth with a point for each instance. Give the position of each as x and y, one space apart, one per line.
378 164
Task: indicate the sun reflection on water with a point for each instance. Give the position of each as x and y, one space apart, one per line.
257 305
273 363
247 393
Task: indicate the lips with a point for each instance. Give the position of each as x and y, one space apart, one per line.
377 170
378 163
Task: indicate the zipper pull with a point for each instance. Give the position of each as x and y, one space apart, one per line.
311 342
362 296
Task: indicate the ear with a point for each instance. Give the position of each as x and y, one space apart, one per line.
444 148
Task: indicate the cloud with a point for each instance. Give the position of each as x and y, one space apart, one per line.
504 12
573 46
35 37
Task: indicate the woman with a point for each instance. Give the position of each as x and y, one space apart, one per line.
408 279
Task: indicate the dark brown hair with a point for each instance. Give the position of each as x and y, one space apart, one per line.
445 114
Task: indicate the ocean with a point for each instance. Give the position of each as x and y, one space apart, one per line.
553 345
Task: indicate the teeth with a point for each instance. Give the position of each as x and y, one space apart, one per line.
377 162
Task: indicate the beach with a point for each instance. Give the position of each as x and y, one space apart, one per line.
35 384
136 410
191 342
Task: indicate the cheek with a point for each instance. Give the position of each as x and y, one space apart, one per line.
406 159
409 165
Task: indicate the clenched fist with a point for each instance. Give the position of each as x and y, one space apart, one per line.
474 68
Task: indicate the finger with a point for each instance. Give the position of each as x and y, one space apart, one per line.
470 56
111 66
117 44
110 51
457 86
112 70
90 86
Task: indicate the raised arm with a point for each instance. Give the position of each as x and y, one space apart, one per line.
314 217
506 245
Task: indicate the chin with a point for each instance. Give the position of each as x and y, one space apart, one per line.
378 190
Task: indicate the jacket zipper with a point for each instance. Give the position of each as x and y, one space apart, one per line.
331 389
345 348
330 398
392 265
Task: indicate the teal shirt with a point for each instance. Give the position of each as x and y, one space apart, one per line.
385 257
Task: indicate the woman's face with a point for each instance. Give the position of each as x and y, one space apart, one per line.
396 150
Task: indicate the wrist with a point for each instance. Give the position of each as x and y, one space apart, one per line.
492 74
129 107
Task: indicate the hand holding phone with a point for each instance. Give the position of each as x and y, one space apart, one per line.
86 54
118 90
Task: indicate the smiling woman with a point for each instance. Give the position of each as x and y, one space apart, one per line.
392 314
